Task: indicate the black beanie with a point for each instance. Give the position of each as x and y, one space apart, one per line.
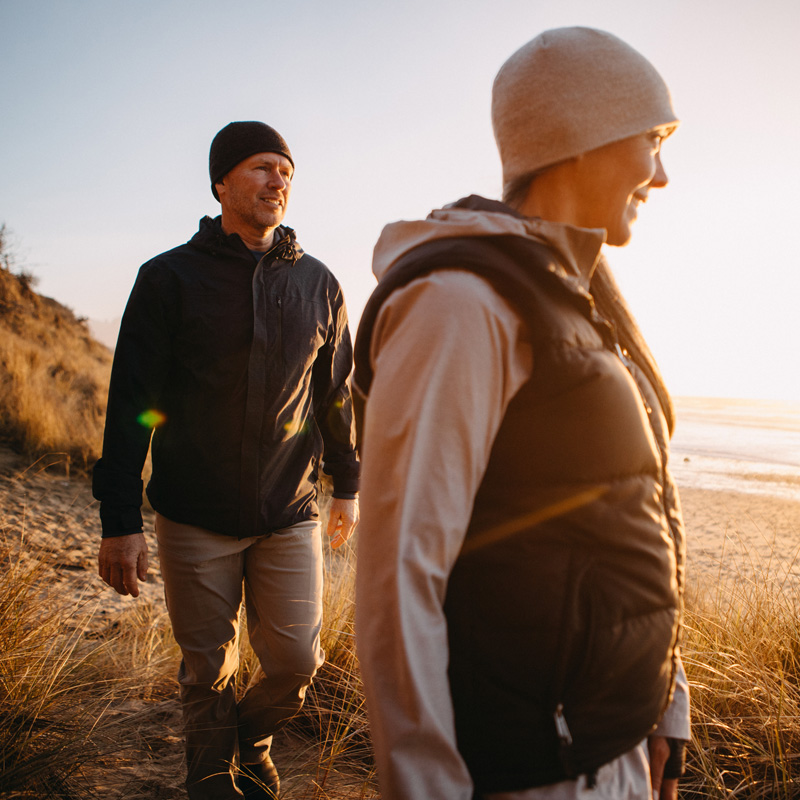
238 141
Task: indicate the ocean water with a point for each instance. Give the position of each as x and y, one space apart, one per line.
738 445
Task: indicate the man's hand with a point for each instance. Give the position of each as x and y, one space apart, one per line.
123 559
663 788
342 520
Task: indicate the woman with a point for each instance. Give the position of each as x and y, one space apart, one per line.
521 549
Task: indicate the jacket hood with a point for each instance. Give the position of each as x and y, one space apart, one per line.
577 248
210 237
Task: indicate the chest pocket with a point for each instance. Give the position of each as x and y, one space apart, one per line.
302 331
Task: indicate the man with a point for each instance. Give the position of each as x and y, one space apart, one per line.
521 548
234 353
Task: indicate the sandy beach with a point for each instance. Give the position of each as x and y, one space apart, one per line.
728 533
737 464
734 534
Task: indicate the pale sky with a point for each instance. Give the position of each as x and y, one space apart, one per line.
108 108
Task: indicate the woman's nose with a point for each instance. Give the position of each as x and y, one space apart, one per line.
660 179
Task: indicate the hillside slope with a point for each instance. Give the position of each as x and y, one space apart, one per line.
53 377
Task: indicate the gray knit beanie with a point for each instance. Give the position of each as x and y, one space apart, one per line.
238 141
571 90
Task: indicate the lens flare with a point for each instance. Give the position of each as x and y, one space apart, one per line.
295 426
151 418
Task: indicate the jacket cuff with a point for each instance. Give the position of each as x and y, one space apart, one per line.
676 763
675 724
345 476
345 485
120 521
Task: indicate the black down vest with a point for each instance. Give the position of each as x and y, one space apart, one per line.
563 607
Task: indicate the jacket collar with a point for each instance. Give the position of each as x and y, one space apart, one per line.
212 239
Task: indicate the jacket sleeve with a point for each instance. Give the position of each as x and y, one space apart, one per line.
333 403
447 360
675 724
138 373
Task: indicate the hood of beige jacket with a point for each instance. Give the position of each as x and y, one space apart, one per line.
578 249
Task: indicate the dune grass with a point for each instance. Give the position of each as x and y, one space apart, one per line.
41 667
76 694
742 656
64 680
53 376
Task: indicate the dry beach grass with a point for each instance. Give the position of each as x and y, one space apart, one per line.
88 697
742 645
54 375
89 700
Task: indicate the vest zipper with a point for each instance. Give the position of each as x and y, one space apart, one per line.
565 741
629 365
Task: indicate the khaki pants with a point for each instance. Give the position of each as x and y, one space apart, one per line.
203 574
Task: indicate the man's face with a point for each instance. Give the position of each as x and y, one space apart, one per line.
615 179
254 194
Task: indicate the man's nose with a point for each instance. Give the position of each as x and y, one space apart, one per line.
277 179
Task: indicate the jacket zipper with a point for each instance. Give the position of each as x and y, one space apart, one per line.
279 301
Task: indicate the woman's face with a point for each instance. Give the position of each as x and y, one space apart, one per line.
613 180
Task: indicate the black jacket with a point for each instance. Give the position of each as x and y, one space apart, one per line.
246 367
